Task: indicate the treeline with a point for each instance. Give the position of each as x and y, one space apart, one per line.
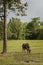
18 30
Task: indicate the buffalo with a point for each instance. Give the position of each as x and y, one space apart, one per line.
25 46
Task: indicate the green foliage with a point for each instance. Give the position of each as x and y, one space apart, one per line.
41 23
18 30
31 29
14 27
23 30
15 5
40 34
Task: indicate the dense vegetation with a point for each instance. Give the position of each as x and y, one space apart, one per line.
19 30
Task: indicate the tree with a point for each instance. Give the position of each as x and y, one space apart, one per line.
31 28
14 28
41 23
40 31
23 30
12 5
1 30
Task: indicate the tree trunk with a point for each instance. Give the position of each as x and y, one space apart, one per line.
5 31
17 35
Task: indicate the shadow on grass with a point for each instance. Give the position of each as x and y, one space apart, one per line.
26 58
19 58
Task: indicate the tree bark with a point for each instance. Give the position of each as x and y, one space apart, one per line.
5 31
17 35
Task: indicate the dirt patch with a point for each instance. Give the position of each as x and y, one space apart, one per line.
27 61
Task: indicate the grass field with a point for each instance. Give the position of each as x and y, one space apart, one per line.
15 55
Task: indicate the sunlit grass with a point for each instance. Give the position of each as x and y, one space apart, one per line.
16 45
15 55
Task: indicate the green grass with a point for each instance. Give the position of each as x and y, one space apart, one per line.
15 55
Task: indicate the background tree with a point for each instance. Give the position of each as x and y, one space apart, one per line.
41 23
23 29
40 32
31 28
14 28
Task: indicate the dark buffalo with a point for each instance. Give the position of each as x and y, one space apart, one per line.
25 46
